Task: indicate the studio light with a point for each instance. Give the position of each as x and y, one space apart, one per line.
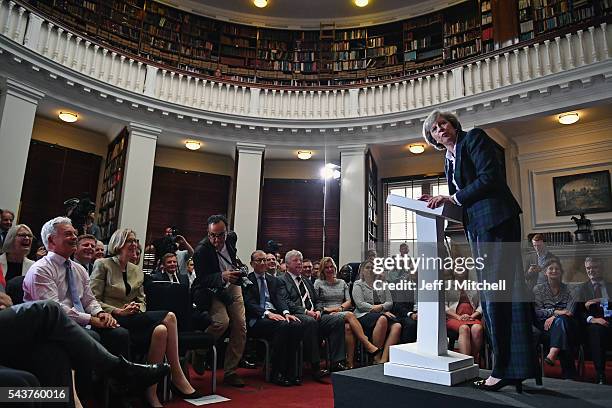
260 3
361 3
330 171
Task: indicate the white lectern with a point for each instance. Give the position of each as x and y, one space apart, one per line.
428 359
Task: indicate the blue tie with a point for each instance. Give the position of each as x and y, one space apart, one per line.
262 292
76 300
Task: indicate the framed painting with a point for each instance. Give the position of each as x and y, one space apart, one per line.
586 193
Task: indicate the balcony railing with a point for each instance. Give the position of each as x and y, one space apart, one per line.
507 67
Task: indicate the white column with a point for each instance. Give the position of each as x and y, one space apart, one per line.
18 104
254 102
352 202
248 190
150 80
138 178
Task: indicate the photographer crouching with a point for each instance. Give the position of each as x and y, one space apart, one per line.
217 288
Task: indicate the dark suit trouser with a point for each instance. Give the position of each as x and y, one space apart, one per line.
116 341
9 377
28 326
507 316
600 339
285 338
563 334
409 330
330 326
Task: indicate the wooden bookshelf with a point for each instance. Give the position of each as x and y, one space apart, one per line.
525 16
486 26
110 200
423 42
462 31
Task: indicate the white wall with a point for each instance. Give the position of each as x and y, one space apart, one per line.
194 161
293 169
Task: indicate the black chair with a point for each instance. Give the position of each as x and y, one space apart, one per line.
14 288
176 298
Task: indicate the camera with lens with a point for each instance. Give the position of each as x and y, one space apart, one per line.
78 209
243 280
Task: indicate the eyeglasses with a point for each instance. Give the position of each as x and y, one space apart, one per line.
217 235
132 241
25 235
260 260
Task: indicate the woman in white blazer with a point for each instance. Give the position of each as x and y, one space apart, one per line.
17 245
463 314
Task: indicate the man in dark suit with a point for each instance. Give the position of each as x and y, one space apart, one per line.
216 289
592 295
169 271
85 252
477 183
269 317
302 300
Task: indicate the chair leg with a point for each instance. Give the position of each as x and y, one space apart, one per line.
268 362
214 370
540 359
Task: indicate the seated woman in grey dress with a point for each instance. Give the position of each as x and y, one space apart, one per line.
554 307
372 308
334 297
118 285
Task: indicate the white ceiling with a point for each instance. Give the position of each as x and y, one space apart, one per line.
307 14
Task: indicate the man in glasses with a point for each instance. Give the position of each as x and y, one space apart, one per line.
216 288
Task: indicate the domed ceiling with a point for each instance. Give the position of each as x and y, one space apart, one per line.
308 14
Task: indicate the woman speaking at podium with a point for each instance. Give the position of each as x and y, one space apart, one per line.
477 183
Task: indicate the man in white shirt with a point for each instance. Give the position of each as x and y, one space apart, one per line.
56 277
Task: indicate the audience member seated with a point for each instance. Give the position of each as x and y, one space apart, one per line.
6 222
268 317
535 273
90 227
307 271
191 275
592 295
302 300
271 264
40 339
85 252
169 271
99 251
41 252
463 313
118 286
316 270
554 308
135 255
17 245
216 289
56 277
373 309
405 301
333 297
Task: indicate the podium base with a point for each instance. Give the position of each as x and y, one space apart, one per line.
450 369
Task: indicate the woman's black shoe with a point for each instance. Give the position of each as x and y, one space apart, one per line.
375 353
481 385
181 394
549 361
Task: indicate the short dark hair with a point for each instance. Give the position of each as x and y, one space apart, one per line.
85 236
214 219
537 237
306 260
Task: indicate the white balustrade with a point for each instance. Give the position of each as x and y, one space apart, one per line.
510 67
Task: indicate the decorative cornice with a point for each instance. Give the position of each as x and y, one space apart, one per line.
142 130
22 91
250 148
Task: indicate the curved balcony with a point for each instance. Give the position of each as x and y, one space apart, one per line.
577 56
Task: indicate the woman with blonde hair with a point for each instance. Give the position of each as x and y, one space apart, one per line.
16 247
334 297
372 308
118 285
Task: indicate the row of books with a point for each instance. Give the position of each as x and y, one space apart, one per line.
424 42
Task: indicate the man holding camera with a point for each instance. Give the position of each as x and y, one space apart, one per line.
217 288
172 242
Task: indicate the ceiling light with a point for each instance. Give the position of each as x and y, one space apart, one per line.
68 117
417 148
361 3
304 154
260 3
331 170
568 118
193 144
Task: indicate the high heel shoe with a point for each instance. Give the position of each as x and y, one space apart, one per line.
481 385
175 390
549 361
375 353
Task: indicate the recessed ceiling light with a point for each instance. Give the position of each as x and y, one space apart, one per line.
68 117
193 145
568 118
361 3
260 3
417 148
304 154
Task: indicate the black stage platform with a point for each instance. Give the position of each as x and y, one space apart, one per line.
368 387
